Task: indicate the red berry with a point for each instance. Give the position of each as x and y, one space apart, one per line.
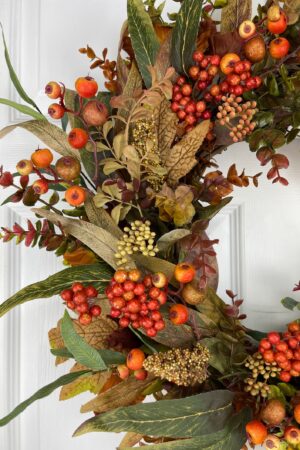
124 322
224 86
279 357
139 289
293 327
194 72
203 75
146 322
177 97
239 67
85 319
140 374
82 308
296 365
296 354
238 90
204 63
118 302
159 325
155 315
128 295
162 298
176 88
184 101
190 108
77 287
142 298
175 106
118 290
268 356
293 343
197 56
200 106
206 115
120 276
214 90
91 292
180 81
190 119
186 90
282 346
285 376
181 115
264 343
215 60
134 275
250 83
233 79
67 295
202 85
115 313
136 324
71 305
133 317
258 81
151 332
147 281
133 306
208 97
79 297
153 305
95 310
247 65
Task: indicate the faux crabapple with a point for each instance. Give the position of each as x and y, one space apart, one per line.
40 186
75 195
257 431
78 138
279 47
56 111
68 168
86 87
178 314
42 158
53 90
135 359
184 272
24 167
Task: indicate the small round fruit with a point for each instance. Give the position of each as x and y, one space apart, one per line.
120 276
197 56
265 344
293 327
278 26
86 87
95 113
257 431
192 295
159 280
273 13
77 287
40 186
255 49
273 413
279 48
194 72
184 272
151 332
178 314
292 435
123 371
268 356
134 275
67 295
285 376
71 305
274 337
78 138
228 61
24 167
53 90
140 374
68 168
85 319
95 310
80 297
272 442
247 29
162 298
135 359
297 413
186 90
42 158
200 106
82 308
75 195
159 325
56 111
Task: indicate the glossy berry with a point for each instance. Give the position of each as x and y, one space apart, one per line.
56 111
198 56
257 432
75 195
135 359
134 275
86 87
285 376
71 305
40 186
95 310
78 138
91 292
85 319
178 314
274 337
184 272
120 276
77 287
53 90
42 158
79 297
279 48
67 295
82 308
140 374
123 371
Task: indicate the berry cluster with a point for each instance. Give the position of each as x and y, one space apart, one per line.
134 364
284 349
136 301
79 298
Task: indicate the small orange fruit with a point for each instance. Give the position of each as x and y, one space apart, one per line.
184 272
75 195
247 29
278 26
228 61
68 168
42 158
78 138
257 431
40 186
24 167
297 413
86 87
123 371
279 48
178 314
135 359
95 113
53 90
140 374
56 111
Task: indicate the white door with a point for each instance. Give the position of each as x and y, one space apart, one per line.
259 250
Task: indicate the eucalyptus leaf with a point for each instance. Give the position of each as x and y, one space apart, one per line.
290 303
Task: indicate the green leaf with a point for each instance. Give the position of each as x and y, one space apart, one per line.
110 357
263 118
22 108
187 417
257 335
144 40
269 137
53 136
44 392
96 274
81 350
15 80
273 86
276 393
290 303
209 212
292 135
287 389
167 240
296 119
184 35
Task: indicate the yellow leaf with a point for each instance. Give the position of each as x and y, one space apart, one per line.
234 13
79 257
165 122
130 440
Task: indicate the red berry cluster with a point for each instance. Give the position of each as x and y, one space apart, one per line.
78 298
196 99
284 349
136 300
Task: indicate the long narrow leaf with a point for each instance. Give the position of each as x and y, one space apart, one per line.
110 357
43 392
22 108
81 350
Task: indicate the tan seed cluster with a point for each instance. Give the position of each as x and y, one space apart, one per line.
237 116
183 367
261 372
137 239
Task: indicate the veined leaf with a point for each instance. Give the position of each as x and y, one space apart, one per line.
44 392
81 350
22 108
170 238
110 357
103 243
234 13
15 80
144 40
53 136
96 274
290 303
187 417
208 212
184 35
101 218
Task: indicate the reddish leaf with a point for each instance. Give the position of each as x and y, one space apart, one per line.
283 181
280 161
272 173
24 180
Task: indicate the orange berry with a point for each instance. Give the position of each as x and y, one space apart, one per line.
120 276
134 275
228 61
123 371
56 111
297 413
75 195
40 186
42 158
86 87
53 90
293 327
78 138
257 431
135 359
178 314
184 272
279 48
95 113
292 435
24 167
278 26
159 280
140 374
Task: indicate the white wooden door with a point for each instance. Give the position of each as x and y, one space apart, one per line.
259 250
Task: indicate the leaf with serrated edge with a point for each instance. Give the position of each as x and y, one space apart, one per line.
166 127
181 158
190 416
53 136
144 40
101 218
43 392
83 353
184 35
123 394
103 243
234 13
96 274
170 238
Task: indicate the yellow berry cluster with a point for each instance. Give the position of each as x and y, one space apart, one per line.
262 369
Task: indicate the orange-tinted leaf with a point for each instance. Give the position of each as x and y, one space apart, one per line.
80 257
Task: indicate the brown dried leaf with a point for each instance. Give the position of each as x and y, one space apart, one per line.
130 440
96 334
100 217
229 42
207 30
166 127
134 83
181 158
92 383
56 342
162 62
234 13
126 393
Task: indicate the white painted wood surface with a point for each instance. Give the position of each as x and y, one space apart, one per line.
259 250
